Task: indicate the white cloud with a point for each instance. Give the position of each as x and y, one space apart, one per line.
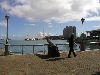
49 23
5 5
29 24
3 23
50 26
94 18
2 36
59 10
96 26
32 24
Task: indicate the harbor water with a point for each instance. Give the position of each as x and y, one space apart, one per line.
40 46
61 44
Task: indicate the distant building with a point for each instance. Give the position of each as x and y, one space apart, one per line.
83 36
68 31
93 34
55 37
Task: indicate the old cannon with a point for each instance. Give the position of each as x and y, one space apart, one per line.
52 49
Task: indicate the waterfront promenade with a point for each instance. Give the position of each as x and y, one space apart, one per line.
86 63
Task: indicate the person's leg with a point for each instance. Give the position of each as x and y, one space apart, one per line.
74 54
69 52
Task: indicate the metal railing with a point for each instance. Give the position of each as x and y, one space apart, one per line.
32 51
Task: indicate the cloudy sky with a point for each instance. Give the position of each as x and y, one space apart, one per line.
33 17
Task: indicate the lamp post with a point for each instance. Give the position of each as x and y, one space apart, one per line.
82 20
82 41
6 45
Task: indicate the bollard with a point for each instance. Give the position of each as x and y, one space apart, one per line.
6 49
22 49
33 49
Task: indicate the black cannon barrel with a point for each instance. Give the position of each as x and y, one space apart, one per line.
52 49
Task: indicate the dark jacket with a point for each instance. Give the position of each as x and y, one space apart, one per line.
71 41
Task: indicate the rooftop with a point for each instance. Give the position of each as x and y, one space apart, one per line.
93 30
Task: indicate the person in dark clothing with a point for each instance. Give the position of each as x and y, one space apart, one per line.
71 45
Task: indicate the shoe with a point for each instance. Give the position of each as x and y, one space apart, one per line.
75 55
69 57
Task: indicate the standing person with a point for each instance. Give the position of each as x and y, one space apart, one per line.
71 45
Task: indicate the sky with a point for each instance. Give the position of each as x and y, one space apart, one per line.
35 17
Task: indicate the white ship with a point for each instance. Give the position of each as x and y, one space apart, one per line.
28 39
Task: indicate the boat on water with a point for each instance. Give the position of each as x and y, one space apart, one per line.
29 39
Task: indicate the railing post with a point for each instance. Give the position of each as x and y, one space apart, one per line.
44 49
22 49
33 49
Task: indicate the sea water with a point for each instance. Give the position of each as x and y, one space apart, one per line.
29 49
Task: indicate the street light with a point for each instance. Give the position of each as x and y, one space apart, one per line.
82 42
82 20
6 45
